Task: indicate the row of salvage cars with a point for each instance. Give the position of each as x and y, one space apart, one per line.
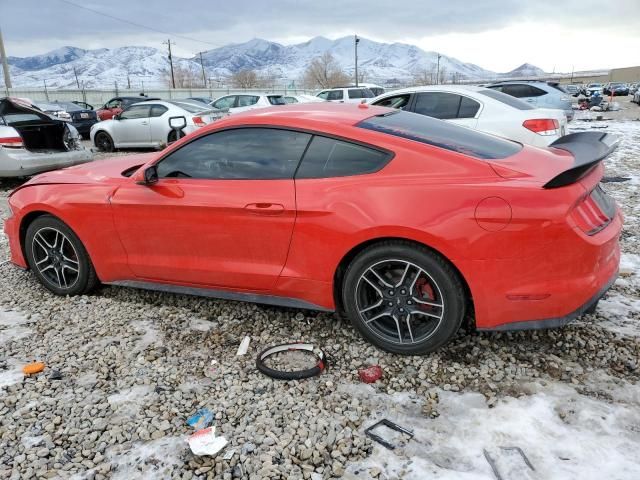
46 136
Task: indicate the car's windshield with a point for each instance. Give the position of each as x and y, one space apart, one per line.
438 133
595 84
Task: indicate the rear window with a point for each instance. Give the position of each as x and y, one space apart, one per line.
423 129
506 99
276 100
360 93
557 86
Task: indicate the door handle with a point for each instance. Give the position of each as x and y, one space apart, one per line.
144 123
265 208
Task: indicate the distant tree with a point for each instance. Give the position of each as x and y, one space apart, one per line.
324 72
185 77
245 79
423 76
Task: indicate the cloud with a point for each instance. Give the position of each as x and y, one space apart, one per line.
42 26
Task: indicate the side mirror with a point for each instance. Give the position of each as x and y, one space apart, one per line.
150 176
177 123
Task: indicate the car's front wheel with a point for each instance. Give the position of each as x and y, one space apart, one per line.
58 258
403 298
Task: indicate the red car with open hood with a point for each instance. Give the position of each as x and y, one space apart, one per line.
401 222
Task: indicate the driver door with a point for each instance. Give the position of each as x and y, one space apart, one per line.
221 214
131 128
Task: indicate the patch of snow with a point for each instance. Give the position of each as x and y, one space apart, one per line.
201 324
12 328
563 434
618 310
151 336
154 459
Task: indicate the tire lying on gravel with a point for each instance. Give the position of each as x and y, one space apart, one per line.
57 257
403 297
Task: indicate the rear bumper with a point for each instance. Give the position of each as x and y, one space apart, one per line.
557 321
22 163
549 288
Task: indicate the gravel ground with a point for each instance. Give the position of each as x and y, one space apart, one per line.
135 365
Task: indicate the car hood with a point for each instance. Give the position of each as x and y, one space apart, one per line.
99 171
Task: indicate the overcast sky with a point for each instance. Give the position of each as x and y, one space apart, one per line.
498 35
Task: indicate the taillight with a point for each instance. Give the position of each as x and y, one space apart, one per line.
590 216
542 126
198 122
11 142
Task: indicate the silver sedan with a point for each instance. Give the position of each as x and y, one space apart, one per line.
146 124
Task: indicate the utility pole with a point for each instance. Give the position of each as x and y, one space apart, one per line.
5 64
572 67
356 41
204 77
438 71
75 72
173 78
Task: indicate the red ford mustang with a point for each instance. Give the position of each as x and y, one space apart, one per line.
401 222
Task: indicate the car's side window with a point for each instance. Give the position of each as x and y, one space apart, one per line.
158 110
225 102
323 95
247 100
135 112
398 101
335 95
329 157
468 108
113 104
535 91
518 90
437 104
238 154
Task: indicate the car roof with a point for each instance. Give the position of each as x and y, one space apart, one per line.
317 113
429 88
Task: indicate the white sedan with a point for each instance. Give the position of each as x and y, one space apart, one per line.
482 109
302 98
146 124
246 101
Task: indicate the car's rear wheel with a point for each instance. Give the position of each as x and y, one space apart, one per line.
58 258
104 142
403 298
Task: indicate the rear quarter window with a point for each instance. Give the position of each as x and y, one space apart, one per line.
329 157
448 136
506 99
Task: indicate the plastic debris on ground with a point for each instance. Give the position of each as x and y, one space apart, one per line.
201 419
229 454
205 442
370 374
33 368
55 375
244 346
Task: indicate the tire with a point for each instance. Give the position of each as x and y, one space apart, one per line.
104 141
173 137
57 257
403 298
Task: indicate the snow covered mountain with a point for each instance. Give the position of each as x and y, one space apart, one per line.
380 62
525 70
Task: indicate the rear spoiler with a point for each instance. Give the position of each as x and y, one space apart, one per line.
588 149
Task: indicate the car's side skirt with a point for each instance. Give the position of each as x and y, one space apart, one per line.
221 294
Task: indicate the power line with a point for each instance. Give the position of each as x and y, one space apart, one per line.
137 24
